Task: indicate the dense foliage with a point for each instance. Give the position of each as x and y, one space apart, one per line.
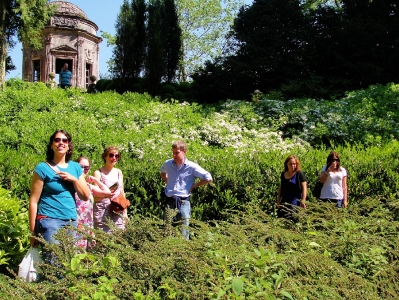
328 254
23 19
304 51
239 250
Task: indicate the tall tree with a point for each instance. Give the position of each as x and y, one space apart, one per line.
9 64
204 25
314 4
357 45
266 51
155 64
269 37
23 19
139 38
172 39
124 27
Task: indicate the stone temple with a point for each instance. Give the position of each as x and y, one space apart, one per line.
71 38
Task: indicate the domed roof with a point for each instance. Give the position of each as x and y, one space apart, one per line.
68 9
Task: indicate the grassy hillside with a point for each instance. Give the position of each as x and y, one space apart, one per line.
239 249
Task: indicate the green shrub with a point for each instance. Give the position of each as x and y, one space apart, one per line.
111 86
179 96
223 139
167 96
138 88
168 89
14 231
102 84
239 250
184 87
99 84
249 256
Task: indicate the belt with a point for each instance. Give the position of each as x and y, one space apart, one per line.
174 198
178 201
39 217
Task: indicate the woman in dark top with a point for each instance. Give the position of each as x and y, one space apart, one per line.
292 191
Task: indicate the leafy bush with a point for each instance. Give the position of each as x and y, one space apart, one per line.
184 87
179 95
111 86
249 256
14 231
138 88
222 139
168 89
102 84
243 145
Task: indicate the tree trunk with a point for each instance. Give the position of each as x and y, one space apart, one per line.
3 42
182 77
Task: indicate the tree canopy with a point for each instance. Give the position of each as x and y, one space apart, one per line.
204 25
306 49
24 20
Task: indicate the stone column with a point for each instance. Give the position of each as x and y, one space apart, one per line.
79 58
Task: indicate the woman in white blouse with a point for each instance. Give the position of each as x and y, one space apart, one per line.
334 179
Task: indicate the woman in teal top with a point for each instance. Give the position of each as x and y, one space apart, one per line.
53 186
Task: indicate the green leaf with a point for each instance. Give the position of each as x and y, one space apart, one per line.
221 293
75 263
286 294
238 286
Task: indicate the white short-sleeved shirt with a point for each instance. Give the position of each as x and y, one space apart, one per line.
332 187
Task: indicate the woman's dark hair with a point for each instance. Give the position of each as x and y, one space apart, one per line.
50 152
298 164
331 157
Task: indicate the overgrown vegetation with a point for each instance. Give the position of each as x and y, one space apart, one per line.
239 250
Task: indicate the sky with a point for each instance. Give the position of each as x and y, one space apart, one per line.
101 12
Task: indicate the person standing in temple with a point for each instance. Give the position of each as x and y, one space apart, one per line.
65 77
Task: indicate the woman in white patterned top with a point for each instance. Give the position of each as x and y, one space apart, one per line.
113 178
334 178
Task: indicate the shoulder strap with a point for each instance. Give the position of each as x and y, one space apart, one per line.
54 168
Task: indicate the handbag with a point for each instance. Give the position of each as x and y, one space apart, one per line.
27 268
119 203
316 191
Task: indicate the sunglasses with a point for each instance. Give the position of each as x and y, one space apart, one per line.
111 155
64 140
335 159
86 168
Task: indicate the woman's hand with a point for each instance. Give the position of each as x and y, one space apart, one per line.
33 241
66 176
92 179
